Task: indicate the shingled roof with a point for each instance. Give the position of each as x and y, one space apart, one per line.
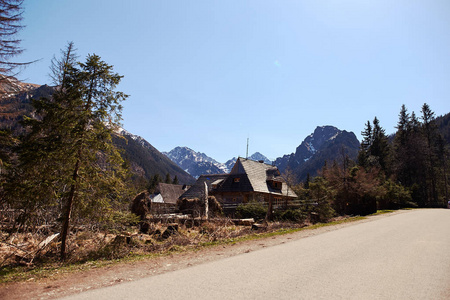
246 176
170 192
255 176
197 190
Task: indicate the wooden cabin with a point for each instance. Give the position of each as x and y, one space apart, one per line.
248 181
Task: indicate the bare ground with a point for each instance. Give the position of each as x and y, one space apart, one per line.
60 285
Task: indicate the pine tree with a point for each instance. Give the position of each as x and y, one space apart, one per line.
380 146
374 151
154 182
366 143
430 134
402 148
68 159
168 179
419 157
38 182
95 156
307 181
175 180
403 127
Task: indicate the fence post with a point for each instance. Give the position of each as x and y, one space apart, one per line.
206 201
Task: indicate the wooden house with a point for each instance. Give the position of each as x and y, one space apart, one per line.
165 197
197 191
248 181
251 180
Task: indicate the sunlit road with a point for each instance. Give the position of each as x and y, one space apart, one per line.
403 256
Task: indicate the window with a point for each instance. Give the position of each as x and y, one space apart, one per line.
278 202
237 179
277 185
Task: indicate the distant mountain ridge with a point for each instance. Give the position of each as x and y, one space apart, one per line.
255 156
326 143
195 163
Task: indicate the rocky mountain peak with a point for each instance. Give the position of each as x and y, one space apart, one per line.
195 163
323 144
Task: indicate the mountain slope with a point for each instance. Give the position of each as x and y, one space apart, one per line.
195 163
146 161
15 101
326 143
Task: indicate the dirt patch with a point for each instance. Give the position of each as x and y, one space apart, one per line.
61 285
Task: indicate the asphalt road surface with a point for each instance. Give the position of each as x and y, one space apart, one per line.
403 256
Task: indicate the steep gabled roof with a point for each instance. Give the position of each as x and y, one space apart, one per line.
246 176
230 185
197 190
255 176
170 192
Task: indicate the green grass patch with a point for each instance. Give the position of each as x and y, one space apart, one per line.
382 211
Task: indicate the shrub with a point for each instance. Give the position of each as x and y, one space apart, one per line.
295 215
255 210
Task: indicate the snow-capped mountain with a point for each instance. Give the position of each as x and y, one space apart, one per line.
255 156
324 144
195 163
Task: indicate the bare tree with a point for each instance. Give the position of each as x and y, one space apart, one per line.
10 17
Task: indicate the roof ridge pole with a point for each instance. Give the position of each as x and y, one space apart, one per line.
246 156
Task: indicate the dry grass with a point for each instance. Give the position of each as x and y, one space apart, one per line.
19 254
22 249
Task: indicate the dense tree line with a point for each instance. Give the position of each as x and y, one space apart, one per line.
408 169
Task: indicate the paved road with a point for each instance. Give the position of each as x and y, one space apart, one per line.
403 256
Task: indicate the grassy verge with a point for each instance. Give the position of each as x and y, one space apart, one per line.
16 274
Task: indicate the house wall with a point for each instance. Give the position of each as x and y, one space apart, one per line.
236 197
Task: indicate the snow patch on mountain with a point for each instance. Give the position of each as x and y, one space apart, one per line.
195 163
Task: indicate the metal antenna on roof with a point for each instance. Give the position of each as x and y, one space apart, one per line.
246 156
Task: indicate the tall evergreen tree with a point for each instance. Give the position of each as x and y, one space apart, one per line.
366 143
168 179
419 157
380 146
154 182
68 158
402 148
307 181
430 134
374 150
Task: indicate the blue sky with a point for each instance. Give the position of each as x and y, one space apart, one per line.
209 74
